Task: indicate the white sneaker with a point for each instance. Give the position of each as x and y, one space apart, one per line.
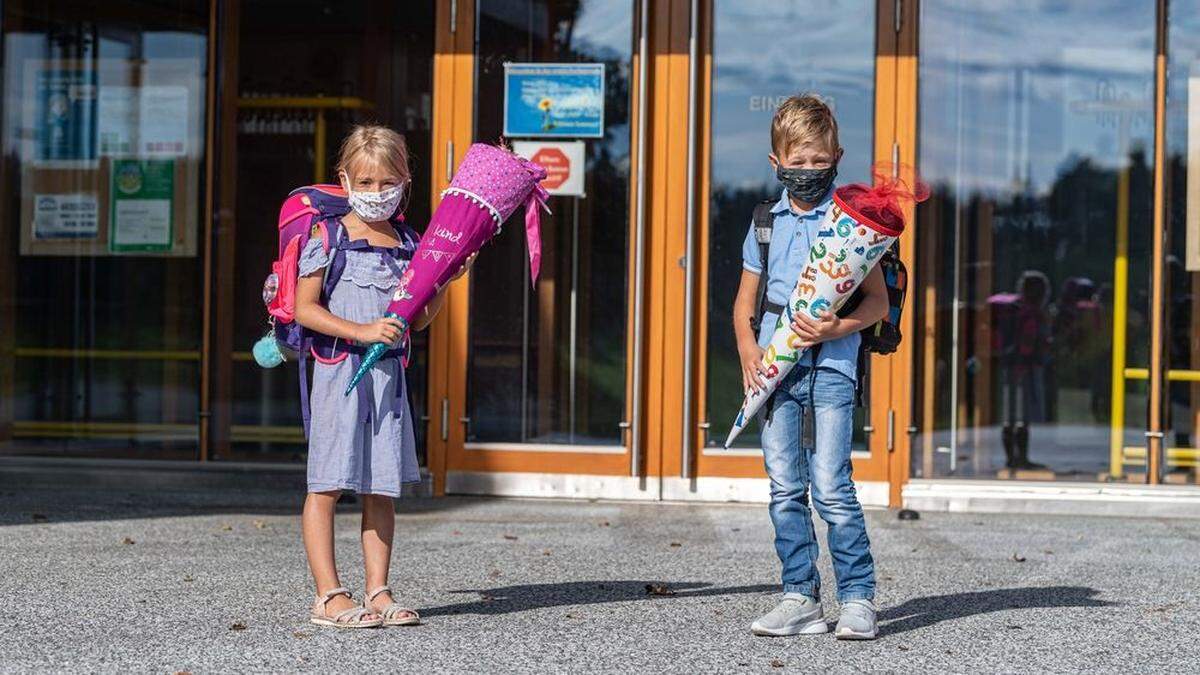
857 621
792 617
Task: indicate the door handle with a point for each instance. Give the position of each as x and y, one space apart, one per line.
445 419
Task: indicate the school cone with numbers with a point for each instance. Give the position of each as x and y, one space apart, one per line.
490 185
862 223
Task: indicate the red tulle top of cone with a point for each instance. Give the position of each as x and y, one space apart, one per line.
879 206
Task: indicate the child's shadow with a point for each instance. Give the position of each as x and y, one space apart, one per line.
520 598
922 612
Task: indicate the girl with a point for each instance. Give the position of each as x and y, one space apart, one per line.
363 442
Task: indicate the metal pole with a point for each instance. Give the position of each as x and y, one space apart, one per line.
689 282
525 356
639 258
574 317
956 305
1120 309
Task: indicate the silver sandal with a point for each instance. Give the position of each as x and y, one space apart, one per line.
347 618
393 614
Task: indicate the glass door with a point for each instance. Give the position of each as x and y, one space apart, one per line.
1182 306
372 63
546 362
1033 303
747 79
101 290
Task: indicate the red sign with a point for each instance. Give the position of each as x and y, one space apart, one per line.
558 167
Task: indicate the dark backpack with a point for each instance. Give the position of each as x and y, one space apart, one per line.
883 337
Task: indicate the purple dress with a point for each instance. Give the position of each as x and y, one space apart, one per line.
362 442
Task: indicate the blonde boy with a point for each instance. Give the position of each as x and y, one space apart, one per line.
807 426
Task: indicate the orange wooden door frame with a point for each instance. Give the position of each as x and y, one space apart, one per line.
453 63
453 128
903 362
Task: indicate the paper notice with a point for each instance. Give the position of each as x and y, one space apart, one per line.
163 121
142 205
66 216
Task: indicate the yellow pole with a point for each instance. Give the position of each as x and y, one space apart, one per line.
1120 311
319 148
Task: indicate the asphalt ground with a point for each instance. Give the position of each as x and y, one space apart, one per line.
214 580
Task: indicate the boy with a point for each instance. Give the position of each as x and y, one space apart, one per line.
805 446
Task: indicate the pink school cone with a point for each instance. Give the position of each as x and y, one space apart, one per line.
490 185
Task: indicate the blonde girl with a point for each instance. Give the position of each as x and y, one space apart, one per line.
362 442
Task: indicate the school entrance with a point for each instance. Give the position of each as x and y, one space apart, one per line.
1049 327
615 374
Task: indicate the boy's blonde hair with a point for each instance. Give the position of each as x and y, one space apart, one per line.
370 142
800 119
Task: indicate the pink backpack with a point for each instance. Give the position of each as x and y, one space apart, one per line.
305 214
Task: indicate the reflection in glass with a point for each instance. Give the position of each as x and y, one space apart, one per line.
100 293
750 78
1037 146
276 153
1183 222
547 363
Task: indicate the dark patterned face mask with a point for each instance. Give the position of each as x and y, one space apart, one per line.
806 185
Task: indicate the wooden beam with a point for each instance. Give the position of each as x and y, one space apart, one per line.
221 235
453 126
666 236
905 134
1159 247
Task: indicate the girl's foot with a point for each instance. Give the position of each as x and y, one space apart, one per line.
336 608
380 601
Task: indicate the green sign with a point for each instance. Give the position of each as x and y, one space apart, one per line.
142 196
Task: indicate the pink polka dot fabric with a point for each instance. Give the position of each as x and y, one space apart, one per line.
500 177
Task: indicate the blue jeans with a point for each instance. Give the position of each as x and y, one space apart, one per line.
826 467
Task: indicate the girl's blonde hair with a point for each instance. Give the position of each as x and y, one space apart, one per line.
375 143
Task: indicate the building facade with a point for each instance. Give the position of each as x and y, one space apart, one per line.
1049 328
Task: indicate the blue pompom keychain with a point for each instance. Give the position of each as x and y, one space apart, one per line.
266 351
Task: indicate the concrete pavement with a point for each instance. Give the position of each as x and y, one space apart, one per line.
213 580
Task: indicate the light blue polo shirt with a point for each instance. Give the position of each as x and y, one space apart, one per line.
790 240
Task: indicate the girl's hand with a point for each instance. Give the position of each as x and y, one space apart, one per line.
815 331
387 330
753 375
466 266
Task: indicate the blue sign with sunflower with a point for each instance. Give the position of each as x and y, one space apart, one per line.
554 99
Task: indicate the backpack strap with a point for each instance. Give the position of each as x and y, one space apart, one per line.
860 374
764 225
302 363
329 242
333 244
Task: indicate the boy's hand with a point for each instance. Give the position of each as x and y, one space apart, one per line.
815 331
753 375
387 330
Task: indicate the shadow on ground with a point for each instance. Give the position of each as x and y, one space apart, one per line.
523 597
927 611
72 503
912 615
